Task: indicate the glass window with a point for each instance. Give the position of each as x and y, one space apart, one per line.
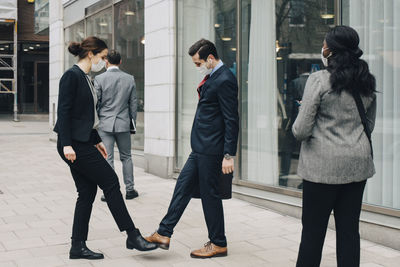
74 33
100 25
378 25
215 21
129 41
277 56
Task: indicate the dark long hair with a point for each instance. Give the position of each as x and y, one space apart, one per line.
82 49
348 71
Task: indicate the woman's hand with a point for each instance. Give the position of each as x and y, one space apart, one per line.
100 146
69 153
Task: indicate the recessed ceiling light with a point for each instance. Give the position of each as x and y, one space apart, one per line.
37 45
103 24
2 48
143 41
226 39
130 13
26 50
216 25
31 47
233 49
327 16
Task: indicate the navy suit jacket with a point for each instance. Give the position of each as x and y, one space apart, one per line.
216 123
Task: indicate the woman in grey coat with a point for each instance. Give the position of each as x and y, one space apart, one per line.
336 155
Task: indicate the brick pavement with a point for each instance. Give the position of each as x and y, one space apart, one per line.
37 204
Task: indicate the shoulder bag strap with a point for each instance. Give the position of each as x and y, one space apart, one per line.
361 111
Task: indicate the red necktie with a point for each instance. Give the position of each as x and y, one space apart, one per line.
201 84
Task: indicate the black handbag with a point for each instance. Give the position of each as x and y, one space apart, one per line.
361 111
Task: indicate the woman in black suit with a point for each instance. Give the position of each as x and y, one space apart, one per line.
80 146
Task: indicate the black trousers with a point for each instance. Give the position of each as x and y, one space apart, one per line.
89 171
203 171
318 202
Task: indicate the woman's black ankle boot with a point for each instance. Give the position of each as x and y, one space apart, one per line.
79 250
136 241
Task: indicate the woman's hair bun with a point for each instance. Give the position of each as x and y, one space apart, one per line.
75 48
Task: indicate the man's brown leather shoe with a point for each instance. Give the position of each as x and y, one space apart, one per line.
162 241
209 250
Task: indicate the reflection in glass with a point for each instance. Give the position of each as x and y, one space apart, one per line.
215 21
272 90
129 41
100 25
378 25
74 33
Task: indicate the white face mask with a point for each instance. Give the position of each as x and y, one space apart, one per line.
99 66
203 70
325 59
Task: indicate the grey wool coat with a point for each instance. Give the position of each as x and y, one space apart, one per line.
335 148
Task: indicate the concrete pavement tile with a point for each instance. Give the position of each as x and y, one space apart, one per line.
37 232
240 260
6 236
45 223
7 213
20 218
272 243
383 251
23 243
12 227
59 239
99 244
51 261
13 255
197 263
116 252
374 265
392 262
49 250
7 264
160 258
125 262
276 255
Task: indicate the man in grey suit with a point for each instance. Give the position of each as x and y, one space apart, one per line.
116 92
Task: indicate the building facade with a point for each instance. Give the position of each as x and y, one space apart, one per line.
270 46
32 57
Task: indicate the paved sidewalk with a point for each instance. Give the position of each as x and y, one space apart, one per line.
37 204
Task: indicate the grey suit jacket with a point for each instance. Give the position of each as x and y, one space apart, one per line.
335 148
116 92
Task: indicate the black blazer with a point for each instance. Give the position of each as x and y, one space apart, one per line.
75 111
216 123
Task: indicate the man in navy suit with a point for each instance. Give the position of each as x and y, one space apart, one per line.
214 141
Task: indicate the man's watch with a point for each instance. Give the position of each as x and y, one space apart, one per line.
227 156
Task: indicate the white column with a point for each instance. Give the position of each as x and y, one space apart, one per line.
56 58
159 94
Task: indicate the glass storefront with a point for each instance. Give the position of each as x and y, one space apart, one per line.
378 25
121 26
74 33
278 45
215 21
129 41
